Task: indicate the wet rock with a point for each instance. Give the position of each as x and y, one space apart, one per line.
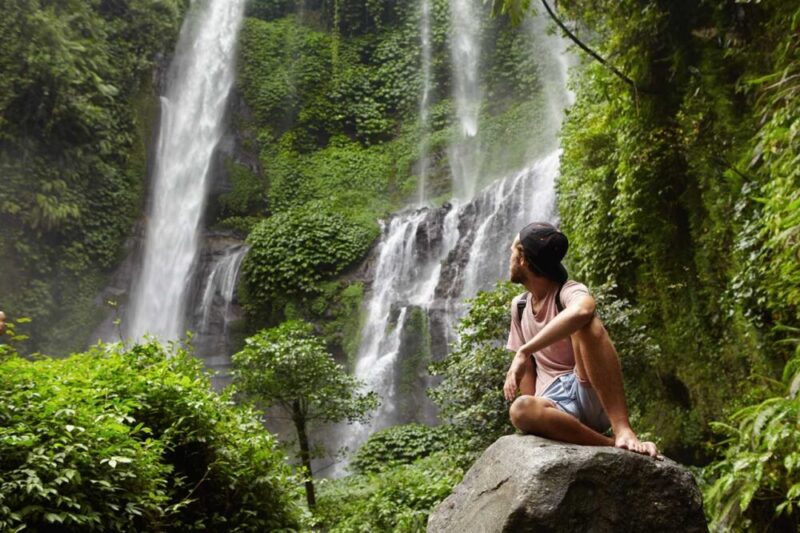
526 483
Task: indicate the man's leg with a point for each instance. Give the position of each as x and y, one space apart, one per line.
532 414
596 361
527 384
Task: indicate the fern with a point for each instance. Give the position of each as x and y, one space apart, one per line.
756 484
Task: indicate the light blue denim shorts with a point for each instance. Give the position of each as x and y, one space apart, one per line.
578 399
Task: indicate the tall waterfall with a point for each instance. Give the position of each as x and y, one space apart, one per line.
199 81
430 259
465 52
425 98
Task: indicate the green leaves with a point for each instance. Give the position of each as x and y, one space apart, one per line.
757 479
121 440
73 124
288 365
399 445
395 499
470 395
516 10
292 252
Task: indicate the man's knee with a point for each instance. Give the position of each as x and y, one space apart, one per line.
526 412
593 330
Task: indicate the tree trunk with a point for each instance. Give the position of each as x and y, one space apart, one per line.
305 452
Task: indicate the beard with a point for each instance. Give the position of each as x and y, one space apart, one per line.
516 274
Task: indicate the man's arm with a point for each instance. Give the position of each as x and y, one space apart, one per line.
577 314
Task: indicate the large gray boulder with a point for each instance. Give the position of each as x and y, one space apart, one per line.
526 483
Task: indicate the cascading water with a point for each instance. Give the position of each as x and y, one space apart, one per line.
215 304
220 290
513 202
424 104
429 260
465 52
465 55
199 81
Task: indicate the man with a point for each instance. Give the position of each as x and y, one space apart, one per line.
2 322
565 367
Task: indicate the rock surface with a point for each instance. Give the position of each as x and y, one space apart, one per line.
526 483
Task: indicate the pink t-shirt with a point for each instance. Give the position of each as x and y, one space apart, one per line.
558 358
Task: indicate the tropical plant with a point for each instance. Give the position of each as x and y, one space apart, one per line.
136 439
288 368
756 482
292 252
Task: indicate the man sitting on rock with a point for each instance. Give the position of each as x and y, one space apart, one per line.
565 367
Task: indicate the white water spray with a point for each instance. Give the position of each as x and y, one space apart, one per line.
200 79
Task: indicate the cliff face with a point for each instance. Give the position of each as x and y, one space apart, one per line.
526 483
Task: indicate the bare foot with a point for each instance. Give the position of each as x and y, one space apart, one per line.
627 440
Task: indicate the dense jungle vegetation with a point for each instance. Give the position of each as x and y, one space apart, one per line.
679 189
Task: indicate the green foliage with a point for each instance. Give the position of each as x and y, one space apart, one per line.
397 499
335 113
680 195
341 312
756 483
516 10
269 9
247 195
470 395
352 178
288 367
283 64
133 439
293 251
774 157
73 73
398 445
11 338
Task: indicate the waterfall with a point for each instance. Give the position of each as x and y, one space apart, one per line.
504 206
429 260
424 103
214 304
220 289
199 80
465 51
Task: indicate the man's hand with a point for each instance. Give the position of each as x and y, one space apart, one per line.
514 376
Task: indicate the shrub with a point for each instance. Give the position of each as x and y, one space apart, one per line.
131 440
471 395
291 252
397 499
398 445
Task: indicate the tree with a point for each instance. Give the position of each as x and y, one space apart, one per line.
288 367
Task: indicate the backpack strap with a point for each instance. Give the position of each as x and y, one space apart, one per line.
523 302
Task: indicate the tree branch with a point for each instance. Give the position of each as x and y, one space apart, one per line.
588 50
